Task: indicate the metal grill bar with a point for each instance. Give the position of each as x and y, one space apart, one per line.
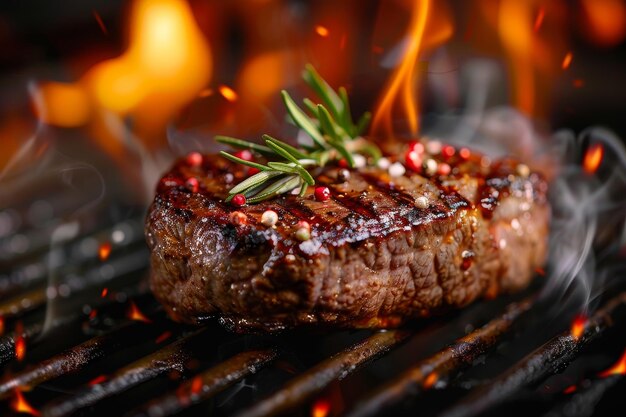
549 359
207 384
305 386
78 357
444 363
171 357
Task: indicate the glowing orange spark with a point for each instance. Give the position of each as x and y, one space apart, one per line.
98 380
104 292
103 28
618 369
540 271
196 385
93 314
539 19
567 60
104 251
593 158
135 314
163 337
578 326
322 31
570 389
321 408
20 342
20 405
1 325
431 380
228 93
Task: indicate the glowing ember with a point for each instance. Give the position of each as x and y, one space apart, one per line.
20 342
228 93
135 314
104 292
321 30
593 158
430 380
1 325
20 405
570 389
104 251
618 369
567 60
163 337
539 19
540 271
103 28
321 408
578 326
196 385
98 380
93 314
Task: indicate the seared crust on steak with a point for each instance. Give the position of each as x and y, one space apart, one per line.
375 258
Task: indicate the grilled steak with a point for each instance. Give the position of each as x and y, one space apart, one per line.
383 248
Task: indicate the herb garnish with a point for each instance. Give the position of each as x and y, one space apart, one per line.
334 137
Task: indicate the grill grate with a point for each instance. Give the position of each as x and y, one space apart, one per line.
105 360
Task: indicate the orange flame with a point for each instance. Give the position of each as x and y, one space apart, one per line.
431 380
567 60
578 326
104 250
593 158
166 65
605 21
402 84
618 369
321 408
20 405
135 314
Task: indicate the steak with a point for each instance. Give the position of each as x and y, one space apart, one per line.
387 246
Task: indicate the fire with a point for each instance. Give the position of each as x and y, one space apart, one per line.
567 60
593 158
618 369
605 21
196 385
20 405
104 250
165 66
322 31
578 326
135 314
228 93
402 85
20 342
431 380
321 408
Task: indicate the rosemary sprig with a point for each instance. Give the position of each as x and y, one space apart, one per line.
334 136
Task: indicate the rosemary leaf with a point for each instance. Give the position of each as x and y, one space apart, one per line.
323 90
311 107
293 151
280 186
302 120
308 178
327 123
282 152
288 168
243 144
243 161
302 190
344 152
253 181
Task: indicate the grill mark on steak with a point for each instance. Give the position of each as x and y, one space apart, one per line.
374 257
